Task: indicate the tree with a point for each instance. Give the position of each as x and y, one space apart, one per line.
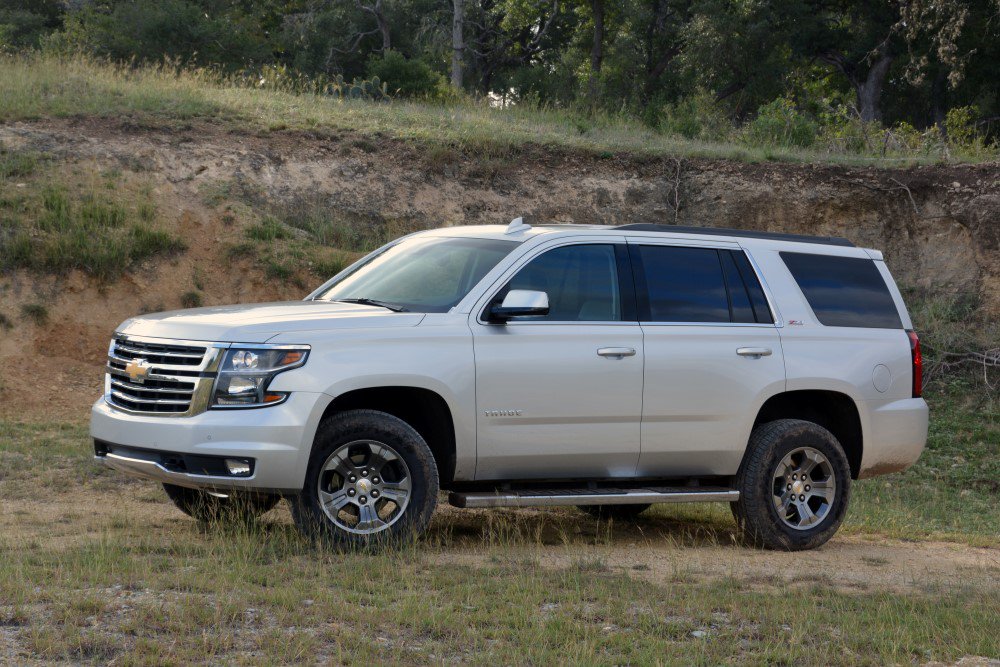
457 42
596 50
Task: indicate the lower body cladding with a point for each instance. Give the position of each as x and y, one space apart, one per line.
262 450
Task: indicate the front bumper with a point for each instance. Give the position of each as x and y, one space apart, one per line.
277 439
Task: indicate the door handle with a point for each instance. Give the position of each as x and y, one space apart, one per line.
755 352
617 352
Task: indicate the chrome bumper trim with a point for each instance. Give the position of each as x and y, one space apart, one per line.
137 467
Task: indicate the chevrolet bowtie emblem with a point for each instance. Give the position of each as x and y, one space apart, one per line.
137 370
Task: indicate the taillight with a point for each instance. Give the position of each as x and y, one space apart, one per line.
918 364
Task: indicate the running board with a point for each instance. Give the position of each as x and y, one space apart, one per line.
555 497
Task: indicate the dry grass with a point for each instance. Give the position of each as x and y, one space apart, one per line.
98 568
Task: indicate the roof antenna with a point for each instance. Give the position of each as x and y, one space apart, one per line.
517 226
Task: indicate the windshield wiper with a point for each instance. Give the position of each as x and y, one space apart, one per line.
374 302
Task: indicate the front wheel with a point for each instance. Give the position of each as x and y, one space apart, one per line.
794 485
371 480
208 507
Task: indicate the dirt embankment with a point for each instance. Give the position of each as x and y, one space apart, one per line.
938 226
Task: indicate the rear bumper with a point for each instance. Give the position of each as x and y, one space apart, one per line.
277 440
895 437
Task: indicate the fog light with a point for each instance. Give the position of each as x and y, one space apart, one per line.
238 467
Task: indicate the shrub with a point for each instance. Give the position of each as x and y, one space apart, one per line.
267 231
405 77
36 312
14 164
176 30
780 123
23 23
697 116
191 299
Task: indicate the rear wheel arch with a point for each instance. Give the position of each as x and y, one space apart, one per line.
426 411
833 410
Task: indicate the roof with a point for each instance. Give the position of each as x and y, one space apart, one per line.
739 233
521 233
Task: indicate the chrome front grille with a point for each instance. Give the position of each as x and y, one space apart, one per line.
160 377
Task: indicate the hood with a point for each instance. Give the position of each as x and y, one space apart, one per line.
257 323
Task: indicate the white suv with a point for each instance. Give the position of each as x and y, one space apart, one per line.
603 367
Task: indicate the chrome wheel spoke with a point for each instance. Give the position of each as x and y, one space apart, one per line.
369 520
339 464
806 516
397 492
335 501
823 490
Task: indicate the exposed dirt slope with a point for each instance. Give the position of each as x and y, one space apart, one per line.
938 226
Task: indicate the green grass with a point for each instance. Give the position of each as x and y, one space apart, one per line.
69 220
282 244
34 87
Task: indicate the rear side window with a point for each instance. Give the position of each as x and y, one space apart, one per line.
678 284
683 284
844 291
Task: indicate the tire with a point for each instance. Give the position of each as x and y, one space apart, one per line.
615 512
377 476
778 454
210 508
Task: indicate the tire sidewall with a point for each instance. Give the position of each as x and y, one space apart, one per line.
392 432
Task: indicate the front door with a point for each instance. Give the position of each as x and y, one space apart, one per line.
560 396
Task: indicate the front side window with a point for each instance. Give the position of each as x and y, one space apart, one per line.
421 274
580 280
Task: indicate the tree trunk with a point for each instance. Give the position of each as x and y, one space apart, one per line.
869 90
596 50
457 42
939 103
380 20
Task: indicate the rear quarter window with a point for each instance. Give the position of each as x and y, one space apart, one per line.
844 291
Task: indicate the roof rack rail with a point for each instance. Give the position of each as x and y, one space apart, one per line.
741 233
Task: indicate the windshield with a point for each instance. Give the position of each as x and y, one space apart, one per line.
421 274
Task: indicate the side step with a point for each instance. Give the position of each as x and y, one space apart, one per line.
604 496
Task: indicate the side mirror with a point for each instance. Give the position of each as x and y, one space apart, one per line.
520 303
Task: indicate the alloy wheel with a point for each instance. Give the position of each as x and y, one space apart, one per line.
803 488
364 487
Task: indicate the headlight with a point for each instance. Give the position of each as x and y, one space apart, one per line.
246 372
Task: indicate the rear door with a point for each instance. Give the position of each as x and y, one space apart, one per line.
560 396
713 355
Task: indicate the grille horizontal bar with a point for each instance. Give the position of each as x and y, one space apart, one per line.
174 374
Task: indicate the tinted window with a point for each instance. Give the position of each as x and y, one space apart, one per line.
844 291
761 311
682 284
581 281
739 297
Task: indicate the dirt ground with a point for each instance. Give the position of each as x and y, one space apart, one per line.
659 548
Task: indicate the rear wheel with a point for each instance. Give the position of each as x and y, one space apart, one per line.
371 480
207 506
794 486
615 512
